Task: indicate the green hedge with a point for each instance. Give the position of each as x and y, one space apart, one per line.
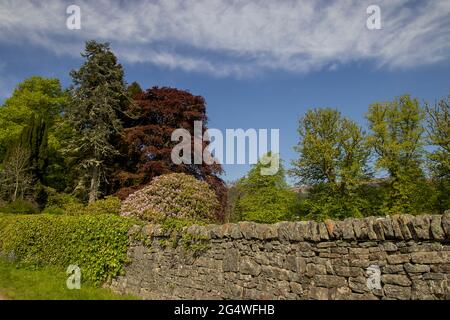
97 244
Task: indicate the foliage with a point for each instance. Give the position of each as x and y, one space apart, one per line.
16 180
171 225
265 198
97 244
34 139
102 137
60 173
438 129
177 236
98 96
75 208
331 150
397 139
35 96
60 199
109 205
20 207
53 210
333 159
25 163
25 283
233 195
439 196
322 203
134 89
146 144
62 203
172 195
439 136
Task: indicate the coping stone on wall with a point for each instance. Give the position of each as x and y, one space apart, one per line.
397 227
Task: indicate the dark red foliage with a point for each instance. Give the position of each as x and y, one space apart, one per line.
146 144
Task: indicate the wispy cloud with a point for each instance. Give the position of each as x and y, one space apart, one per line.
240 38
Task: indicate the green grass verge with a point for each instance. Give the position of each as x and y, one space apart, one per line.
21 283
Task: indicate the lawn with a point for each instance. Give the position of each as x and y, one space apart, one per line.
20 283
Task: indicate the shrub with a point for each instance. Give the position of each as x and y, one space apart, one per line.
62 203
109 205
97 244
175 195
74 209
59 199
2 204
53 210
268 206
20 207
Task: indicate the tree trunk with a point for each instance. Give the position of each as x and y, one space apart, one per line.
16 190
95 183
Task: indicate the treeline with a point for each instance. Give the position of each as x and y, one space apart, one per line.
402 165
103 137
97 138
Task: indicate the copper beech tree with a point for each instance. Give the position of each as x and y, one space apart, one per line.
145 145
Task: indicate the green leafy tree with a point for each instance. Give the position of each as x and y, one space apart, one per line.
397 139
99 95
265 198
233 195
332 159
438 117
58 174
34 142
35 96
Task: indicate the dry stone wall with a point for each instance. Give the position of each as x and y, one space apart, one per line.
398 257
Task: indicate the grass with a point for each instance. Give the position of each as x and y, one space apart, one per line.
24 283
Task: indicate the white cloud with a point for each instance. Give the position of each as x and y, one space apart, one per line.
240 38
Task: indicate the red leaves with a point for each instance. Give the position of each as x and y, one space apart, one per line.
146 143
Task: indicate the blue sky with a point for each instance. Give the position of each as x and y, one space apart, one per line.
259 64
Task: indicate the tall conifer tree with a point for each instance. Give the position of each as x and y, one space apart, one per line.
99 95
34 139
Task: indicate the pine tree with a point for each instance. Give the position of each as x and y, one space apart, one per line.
99 95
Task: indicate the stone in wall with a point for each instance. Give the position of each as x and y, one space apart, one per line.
295 260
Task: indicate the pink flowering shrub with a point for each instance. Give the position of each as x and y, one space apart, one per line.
175 195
